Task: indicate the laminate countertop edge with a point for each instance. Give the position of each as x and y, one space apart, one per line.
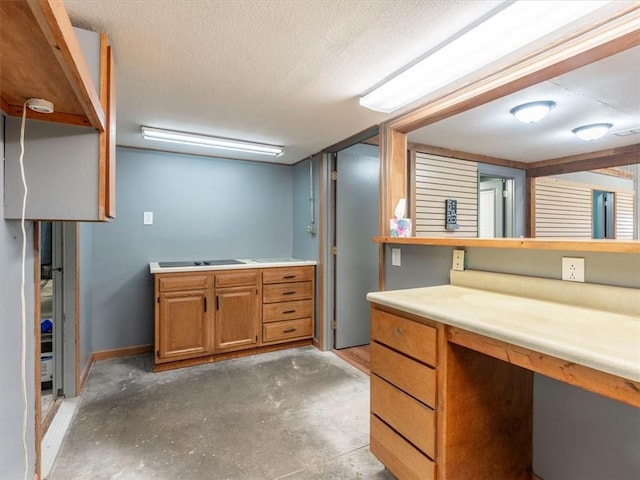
154 267
602 340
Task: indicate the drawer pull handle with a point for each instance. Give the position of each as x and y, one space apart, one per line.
287 277
398 331
289 311
289 330
289 293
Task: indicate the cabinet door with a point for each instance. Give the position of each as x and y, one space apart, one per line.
183 327
236 318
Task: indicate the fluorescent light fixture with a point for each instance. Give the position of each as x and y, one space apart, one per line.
532 112
210 142
513 27
592 132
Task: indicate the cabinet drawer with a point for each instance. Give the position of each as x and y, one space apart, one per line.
274 312
287 330
284 292
400 457
404 414
288 274
411 338
183 282
416 379
236 279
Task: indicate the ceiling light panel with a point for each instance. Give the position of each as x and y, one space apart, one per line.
185 138
592 132
512 28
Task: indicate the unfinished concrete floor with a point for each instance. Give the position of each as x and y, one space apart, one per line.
294 414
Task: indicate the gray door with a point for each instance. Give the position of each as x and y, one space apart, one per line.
356 222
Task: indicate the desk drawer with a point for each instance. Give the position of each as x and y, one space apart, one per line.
399 456
182 282
405 414
274 312
286 292
416 379
236 279
287 330
288 274
411 338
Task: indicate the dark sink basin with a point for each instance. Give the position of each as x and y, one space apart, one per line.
198 263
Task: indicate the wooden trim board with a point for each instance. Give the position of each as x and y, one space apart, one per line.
602 383
613 246
120 352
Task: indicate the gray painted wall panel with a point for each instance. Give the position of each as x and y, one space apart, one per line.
61 165
11 401
204 208
598 432
305 245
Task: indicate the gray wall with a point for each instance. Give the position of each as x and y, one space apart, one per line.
11 400
305 245
204 208
577 434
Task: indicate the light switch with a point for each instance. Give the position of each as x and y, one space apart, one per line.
148 218
396 258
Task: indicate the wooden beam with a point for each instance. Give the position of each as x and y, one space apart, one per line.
56 26
474 157
613 246
611 157
41 58
393 173
530 208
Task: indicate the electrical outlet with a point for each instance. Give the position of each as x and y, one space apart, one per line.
147 218
458 260
396 257
573 269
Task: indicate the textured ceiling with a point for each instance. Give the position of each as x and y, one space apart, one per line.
286 72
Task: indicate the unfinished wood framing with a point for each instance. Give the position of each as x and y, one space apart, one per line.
46 62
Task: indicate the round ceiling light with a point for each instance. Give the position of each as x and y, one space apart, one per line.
40 105
532 112
593 131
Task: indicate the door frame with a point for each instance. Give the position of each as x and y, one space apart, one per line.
71 299
327 232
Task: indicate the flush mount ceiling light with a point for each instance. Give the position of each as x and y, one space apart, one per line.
592 132
211 142
511 28
532 112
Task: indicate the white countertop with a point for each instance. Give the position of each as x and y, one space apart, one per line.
595 338
154 267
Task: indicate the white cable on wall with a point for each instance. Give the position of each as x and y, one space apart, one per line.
23 302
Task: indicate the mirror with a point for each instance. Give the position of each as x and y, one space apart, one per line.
595 203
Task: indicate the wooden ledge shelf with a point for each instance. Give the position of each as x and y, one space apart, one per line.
611 246
41 58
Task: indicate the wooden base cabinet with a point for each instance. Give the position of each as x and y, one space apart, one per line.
287 304
442 411
182 317
237 315
209 316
